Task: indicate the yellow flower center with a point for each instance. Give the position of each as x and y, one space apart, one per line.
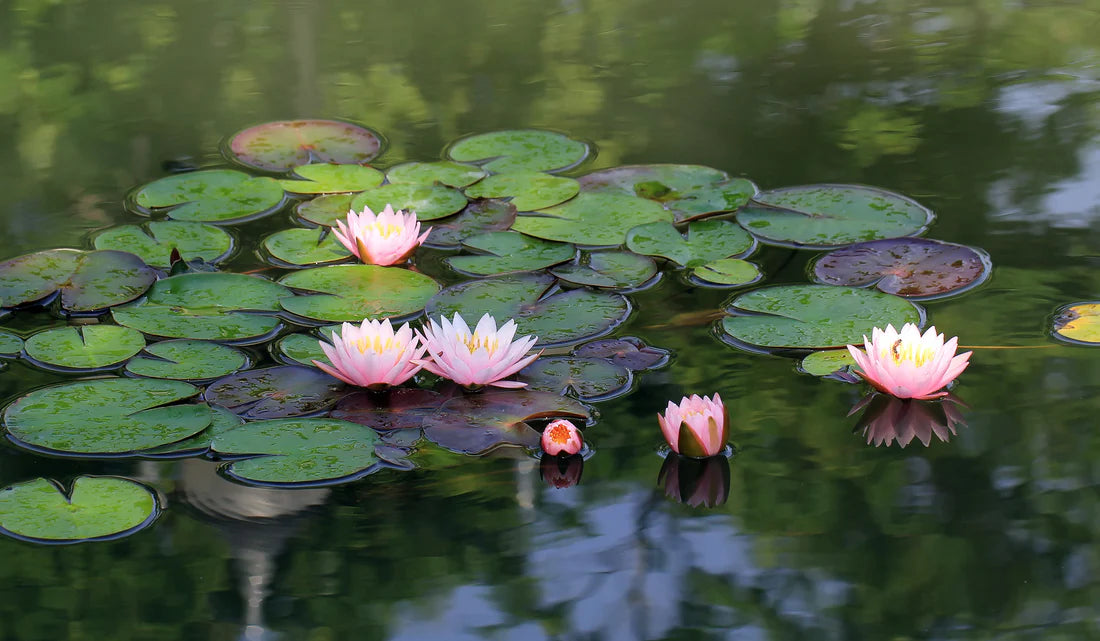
916 353
385 231
378 345
476 341
559 434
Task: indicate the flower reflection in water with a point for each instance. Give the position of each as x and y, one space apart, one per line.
560 472
886 419
695 482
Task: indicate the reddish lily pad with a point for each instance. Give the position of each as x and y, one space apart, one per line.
528 190
444 172
628 351
331 179
428 201
479 216
477 423
918 268
282 145
1078 323
520 150
325 210
588 379
706 241
689 191
276 392
221 196
508 251
592 219
398 408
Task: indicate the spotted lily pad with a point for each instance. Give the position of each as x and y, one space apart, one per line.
276 392
726 272
689 191
1078 323
221 196
98 508
706 241
918 268
592 219
528 190
826 362
444 172
83 348
475 424
428 201
609 269
87 281
478 217
589 379
520 150
105 416
187 360
222 420
299 348
347 293
508 251
556 317
398 408
154 241
10 344
302 247
282 145
33 277
325 210
813 316
627 351
331 179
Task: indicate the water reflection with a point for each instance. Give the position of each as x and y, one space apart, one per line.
695 482
887 420
561 471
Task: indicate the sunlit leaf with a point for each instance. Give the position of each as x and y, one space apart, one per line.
97 508
1078 323
154 241
331 179
727 272
520 150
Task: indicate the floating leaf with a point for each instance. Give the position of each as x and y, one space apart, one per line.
88 281
520 150
813 316
826 362
592 219
589 379
302 349
690 191
331 179
99 508
282 145
910 267
444 172
10 344
154 241
428 201
87 347
727 272
478 217
301 247
561 318
529 190
325 210
398 408
354 292
209 196
276 392
1078 323
187 360
628 351
608 269
32 277
475 424
105 416
222 421
508 251
706 241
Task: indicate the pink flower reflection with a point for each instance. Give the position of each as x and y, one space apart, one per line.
560 472
886 420
695 482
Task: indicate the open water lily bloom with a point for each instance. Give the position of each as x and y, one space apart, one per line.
561 437
697 427
383 239
907 364
372 355
476 358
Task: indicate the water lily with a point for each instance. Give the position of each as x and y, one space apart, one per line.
696 427
383 239
478 358
372 355
561 437
906 364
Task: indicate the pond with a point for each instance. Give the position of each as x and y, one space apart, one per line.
818 525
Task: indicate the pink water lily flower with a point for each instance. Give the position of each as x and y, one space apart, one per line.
383 239
697 427
561 437
481 357
372 355
906 364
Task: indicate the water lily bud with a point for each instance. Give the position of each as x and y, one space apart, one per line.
561 437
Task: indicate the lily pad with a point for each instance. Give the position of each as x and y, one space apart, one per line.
154 241
303 247
282 145
727 272
628 351
813 316
399 408
347 293
592 219
428 201
98 508
33 277
234 308
918 268
706 241
690 191
10 344
104 416
556 317
479 216
298 451
83 348
828 216
325 210
222 420
301 349
588 379
88 281
520 150
220 196
508 251
276 392
826 362
331 179
475 424
187 360
529 190
444 172
608 269
1078 323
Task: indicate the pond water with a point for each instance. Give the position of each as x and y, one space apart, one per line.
986 112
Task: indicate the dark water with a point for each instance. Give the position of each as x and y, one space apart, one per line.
986 111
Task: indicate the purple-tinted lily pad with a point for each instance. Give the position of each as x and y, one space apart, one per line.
400 408
609 269
589 379
477 423
283 145
910 267
689 191
276 392
628 351
479 216
88 281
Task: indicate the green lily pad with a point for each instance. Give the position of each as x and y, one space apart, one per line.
727 272
813 316
397 408
88 281
588 379
299 451
529 190
81 348
690 191
282 145
98 508
1078 323
304 247
234 308
826 362
33 277
154 241
609 269
428 201
276 392
627 351
347 293
475 424
508 251
222 420
828 216
102 416
187 360
444 172
592 219
331 179
478 217
221 196
10 344
325 210
301 349
706 241
556 317
520 150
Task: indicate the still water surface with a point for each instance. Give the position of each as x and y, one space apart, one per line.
987 111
